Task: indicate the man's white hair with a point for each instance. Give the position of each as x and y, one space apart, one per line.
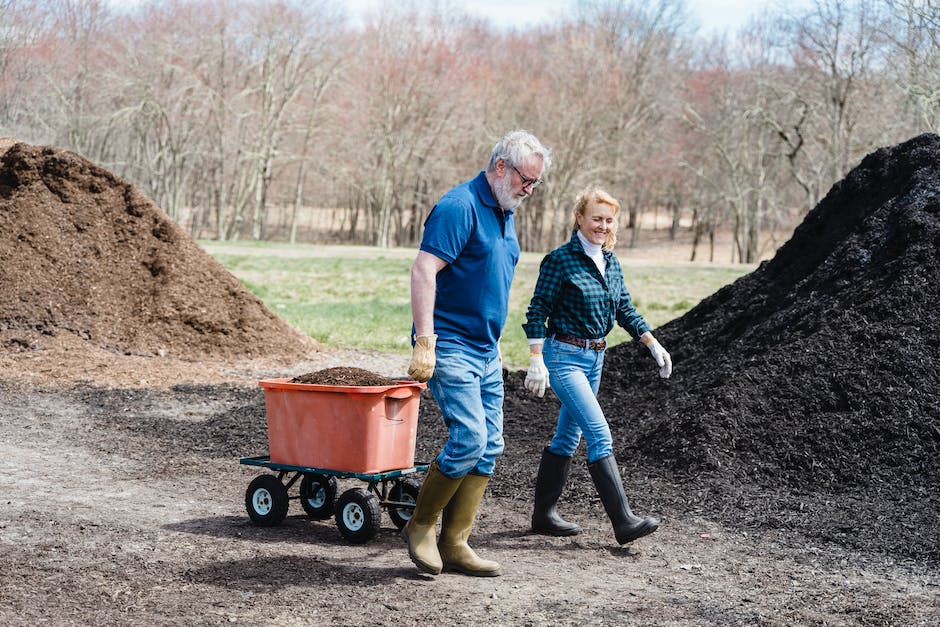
517 146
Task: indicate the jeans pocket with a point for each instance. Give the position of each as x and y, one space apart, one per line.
569 349
559 356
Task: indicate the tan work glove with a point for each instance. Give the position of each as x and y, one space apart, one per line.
422 358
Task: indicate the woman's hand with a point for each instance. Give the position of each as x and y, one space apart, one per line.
536 379
663 360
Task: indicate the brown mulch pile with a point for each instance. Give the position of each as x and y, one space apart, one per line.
343 375
83 252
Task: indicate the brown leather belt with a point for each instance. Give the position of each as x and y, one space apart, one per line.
594 345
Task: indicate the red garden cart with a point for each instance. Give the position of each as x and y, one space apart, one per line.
318 434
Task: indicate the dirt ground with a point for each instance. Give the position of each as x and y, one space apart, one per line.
792 457
103 522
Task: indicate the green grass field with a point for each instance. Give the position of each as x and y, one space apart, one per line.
359 297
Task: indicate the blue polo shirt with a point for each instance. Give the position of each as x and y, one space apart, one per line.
468 229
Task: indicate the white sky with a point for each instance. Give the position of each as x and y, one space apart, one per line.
713 15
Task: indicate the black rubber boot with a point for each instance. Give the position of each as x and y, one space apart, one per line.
627 526
553 473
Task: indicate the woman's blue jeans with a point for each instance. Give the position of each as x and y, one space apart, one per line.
575 374
469 391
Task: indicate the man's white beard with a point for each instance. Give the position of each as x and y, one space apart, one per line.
501 189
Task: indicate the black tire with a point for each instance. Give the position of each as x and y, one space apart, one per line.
358 515
266 501
318 495
404 491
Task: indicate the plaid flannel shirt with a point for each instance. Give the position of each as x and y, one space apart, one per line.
571 297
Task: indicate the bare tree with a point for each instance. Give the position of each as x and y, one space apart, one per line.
647 39
284 49
57 96
914 31
163 136
82 28
605 102
835 46
19 24
235 113
229 175
410 75
728 106
325 62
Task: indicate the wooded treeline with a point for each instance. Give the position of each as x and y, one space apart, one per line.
243 119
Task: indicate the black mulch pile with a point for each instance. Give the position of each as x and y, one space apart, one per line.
806 395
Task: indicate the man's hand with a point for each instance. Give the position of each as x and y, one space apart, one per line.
663 360
536 379
422 358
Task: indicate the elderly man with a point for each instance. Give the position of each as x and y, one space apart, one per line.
459 298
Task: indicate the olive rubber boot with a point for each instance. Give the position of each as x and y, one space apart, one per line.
420 532
455 530
627 526
553 473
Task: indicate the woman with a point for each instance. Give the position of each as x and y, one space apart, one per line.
578 295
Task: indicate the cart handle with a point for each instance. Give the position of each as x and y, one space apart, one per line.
400 393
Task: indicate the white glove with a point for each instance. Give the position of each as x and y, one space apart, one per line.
663 360
536 379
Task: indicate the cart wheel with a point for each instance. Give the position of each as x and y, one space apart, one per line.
358 515
317 495
404 491
266 501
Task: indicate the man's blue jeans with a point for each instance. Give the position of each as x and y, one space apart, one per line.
469 390
575 374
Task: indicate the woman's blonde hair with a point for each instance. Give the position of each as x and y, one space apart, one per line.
596 194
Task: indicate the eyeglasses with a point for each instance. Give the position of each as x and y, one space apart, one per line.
527 182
